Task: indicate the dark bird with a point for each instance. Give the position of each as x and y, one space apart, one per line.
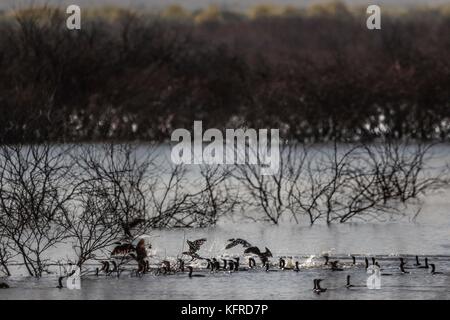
402 268
181 265
193 275
215 265
348 285
231 265
4 285
326 260
426 264
225 264
252 250
433 269
282 264
209 265
353 260
297 268
105 267
234 242
334 266
236 265
373 261
267 267
114 269
317 289
417 261
367 262
140 255
194 246
251 263
60 285
263 256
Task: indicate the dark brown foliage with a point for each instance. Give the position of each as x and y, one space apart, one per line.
318 78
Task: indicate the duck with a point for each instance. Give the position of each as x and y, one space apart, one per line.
426 266
417 262
251 263
402 268
231 266
60 284
267 267
225 264
215 265
281 264
317 289
190 275
433 269
348 285
297 268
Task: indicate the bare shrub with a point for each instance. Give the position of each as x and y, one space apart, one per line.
33 197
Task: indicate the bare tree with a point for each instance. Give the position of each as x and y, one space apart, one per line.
118 173
271 193
32 198
216 195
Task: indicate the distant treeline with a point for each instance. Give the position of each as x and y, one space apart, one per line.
318 74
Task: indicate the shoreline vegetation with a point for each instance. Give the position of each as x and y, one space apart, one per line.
316 73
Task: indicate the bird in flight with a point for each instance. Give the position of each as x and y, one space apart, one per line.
235 242
194 246
263 256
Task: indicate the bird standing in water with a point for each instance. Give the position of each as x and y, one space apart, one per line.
433 269
348 285
317 289
417 261
194 275
426 266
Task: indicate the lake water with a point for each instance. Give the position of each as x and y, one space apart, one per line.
428 235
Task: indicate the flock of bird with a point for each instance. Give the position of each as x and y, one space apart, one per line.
122 253
233 264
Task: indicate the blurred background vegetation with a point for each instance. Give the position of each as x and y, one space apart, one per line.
315 72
